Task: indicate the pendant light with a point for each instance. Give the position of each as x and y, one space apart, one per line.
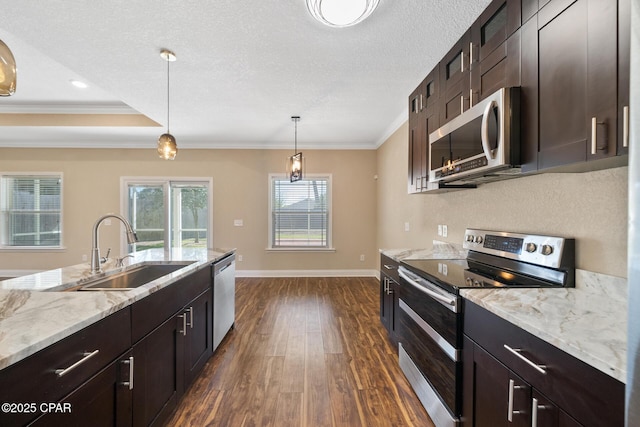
8 72
167 147
341 13
295 161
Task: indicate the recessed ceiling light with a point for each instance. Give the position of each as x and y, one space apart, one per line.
79 84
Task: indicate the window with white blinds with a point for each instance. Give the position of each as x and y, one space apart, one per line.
31 211
300 212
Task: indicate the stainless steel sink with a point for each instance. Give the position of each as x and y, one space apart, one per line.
133 278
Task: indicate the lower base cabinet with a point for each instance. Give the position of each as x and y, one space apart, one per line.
512 378
128 369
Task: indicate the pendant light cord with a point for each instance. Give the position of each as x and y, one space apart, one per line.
295 147
168 103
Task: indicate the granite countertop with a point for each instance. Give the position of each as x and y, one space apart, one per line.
588 322
35 312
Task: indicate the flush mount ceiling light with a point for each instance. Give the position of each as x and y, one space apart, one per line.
8 73
167 147
341 13
79 84
294 165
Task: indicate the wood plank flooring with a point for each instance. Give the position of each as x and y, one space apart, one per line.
304 352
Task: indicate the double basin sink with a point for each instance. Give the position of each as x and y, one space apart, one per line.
131 279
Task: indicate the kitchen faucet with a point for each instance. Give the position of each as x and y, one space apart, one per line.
95 250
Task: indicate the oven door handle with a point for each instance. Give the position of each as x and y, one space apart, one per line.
451 302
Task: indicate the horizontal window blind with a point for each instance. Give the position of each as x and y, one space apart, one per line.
31 211
300 213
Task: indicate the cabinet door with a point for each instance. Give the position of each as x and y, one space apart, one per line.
500 397
385 308
199 339
415 152
159 372
624 40
104 400
454 80
495 49
574 50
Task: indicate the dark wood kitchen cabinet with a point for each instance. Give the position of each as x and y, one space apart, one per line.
569 80
90 359
508 372
423 119
455 80
168 358
495 49
389 282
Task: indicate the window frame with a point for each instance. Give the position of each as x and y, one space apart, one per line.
125 181
48 174
329 203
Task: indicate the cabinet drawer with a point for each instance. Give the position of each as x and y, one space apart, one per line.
390 267
587 394
55 371
155 309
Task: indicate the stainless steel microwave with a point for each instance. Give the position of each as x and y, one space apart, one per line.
481 144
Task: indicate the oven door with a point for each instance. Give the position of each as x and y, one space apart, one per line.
430 339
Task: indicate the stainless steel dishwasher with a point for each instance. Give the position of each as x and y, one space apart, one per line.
224 298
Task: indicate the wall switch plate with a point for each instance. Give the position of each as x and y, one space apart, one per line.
444 231
239 258
107 221
406 226
439 229
238 222
361 257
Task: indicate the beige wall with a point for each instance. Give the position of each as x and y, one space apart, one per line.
591 207
240 191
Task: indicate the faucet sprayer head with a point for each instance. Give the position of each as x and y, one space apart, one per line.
131 237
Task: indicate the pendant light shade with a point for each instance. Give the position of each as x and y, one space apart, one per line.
167 147
295 162
8 73
341 13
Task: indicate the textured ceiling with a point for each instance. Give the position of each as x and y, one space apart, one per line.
243 68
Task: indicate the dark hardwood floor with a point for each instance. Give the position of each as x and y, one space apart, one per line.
304 352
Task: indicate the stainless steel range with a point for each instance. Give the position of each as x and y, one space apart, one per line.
431 309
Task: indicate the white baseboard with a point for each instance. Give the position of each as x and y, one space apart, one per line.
307 273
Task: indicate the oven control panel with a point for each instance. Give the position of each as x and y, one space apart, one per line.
532 248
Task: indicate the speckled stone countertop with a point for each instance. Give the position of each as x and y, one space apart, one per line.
35 312
588 322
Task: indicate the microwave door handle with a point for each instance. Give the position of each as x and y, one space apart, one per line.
484 131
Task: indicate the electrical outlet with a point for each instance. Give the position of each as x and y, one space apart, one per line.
107 221
238 222
406 226
444 231
439 229
361 257
84 257
239 258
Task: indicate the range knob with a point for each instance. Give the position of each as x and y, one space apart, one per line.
479 239
530 247
469 281
546 250
470 238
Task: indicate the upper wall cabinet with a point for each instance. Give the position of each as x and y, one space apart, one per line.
423 119
569 80
454 80
495 49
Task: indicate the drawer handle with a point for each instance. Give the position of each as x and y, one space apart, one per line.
184 323
388 267
190 322
87 356
625 126
516 352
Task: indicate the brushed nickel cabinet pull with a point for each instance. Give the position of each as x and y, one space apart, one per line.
594 135
470 53
516 352
461 103
184 323
510 411
388 267
86 356
534 412
625 126
190 321
129 362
